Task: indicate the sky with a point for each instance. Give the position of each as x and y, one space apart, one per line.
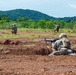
55 8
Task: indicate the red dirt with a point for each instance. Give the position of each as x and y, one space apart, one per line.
30 57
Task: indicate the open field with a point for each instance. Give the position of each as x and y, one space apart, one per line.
27 54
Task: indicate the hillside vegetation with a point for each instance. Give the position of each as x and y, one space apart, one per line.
32 14
34 19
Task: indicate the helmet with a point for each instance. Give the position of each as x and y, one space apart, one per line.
62 35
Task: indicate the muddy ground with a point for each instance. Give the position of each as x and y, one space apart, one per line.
29 56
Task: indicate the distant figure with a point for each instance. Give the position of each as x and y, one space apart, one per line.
14 29
57 27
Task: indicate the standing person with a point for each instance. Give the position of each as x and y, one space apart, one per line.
57 28
14 29
62 46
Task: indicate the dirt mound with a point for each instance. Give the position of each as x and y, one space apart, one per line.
17 47
9 42
24 47
6 41
15 42
42 51
26 51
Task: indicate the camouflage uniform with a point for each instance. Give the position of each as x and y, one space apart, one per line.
57 28
14 29
60 48
62 51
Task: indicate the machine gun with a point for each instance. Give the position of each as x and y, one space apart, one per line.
50 40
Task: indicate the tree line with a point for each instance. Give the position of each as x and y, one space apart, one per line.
25 22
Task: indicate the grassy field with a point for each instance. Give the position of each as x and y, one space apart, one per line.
34 33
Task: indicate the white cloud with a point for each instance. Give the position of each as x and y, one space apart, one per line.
72 5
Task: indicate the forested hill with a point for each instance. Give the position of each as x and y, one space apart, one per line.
35 15
32 14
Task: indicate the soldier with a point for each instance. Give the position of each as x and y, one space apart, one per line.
62 46
14 29
57 28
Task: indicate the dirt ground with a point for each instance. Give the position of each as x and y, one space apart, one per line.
23 56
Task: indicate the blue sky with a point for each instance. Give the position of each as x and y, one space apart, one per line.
55 8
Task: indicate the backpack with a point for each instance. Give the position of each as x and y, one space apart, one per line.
66 43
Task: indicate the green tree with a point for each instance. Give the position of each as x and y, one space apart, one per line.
5 17
74 28
49 24
42 24
20 19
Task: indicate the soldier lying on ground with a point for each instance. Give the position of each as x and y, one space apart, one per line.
62 46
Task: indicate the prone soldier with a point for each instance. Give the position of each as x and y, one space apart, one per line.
61 46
